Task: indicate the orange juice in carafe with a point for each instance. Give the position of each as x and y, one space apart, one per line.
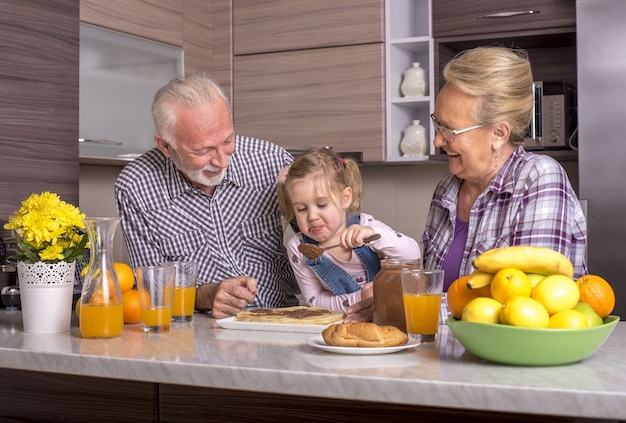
101 311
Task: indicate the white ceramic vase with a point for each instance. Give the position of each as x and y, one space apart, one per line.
415 140
415 82
46 292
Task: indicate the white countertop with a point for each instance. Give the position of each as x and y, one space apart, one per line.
438 375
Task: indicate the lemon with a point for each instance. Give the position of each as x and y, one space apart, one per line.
568 319
593 318
524 312
535 278
508 283
556 293
482 309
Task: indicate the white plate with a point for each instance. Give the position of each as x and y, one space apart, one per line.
230 323
318 342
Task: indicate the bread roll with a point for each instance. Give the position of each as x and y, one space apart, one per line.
362 334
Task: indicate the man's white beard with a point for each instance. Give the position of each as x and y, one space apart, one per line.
197 176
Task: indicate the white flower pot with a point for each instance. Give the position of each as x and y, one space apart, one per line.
46 292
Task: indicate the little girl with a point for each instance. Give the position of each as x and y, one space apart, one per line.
323 192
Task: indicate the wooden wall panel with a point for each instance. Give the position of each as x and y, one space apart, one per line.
279 25
38 101
329 96
153 19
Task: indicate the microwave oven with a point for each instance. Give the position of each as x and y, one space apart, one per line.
554 120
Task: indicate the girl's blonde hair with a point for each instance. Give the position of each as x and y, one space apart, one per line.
502 79
337 173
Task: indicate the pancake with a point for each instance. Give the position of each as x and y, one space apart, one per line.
297 315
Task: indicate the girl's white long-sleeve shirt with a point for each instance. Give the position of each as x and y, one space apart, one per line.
391 244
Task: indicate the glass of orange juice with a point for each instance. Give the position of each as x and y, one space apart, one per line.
156 295
184 290
421 293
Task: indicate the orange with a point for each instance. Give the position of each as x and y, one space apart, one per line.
459 295
131 306
125 276
598 293
77 307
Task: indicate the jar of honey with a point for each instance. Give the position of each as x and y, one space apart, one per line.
388 303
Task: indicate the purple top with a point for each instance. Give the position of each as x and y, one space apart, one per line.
452 262
529 202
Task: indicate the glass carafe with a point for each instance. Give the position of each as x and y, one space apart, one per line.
101 312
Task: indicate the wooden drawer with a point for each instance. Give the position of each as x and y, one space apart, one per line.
453 18
280 25
328 96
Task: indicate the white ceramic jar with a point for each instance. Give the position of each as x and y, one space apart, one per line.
415 82
415 140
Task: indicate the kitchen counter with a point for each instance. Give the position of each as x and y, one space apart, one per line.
440 375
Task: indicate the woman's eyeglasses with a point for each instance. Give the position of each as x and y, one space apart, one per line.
449 134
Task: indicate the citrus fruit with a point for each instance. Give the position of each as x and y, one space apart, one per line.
125 276
524 312
482 309
598 293
509 283
593 318
459 295
535 278
131 306
568 319
556 293
77 307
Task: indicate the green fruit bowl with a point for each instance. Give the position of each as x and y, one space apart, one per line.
530 347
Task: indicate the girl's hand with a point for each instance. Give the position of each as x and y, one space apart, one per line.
354 235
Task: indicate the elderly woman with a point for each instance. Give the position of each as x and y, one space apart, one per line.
496 193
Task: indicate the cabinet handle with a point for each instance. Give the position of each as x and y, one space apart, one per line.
508 14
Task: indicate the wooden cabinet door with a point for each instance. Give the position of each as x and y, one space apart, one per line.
152 19
38 102
318 97
280 25
461 18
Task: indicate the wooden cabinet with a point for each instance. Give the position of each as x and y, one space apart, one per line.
319 97
454 18
39 102
548 34
311 73
282 25
201 28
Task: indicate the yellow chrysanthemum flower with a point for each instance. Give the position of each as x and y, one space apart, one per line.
48 229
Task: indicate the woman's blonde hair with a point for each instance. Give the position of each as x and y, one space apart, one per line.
502 79
334 171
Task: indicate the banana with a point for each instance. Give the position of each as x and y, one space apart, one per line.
478 279
528 259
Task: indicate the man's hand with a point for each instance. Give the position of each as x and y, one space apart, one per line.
228 297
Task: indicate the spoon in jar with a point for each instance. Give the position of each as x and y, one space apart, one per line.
312 252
